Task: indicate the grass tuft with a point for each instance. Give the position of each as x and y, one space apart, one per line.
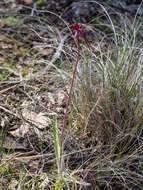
108 112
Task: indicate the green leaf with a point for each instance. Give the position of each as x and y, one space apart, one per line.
56 143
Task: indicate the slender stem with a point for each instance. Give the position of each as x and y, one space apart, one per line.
68 102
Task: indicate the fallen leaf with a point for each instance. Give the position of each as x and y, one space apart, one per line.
21 131
40 120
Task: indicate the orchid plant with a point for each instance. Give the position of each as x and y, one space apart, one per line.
77 29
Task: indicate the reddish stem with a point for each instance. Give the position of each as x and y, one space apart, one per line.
68 102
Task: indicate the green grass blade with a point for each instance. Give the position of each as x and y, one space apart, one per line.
56 143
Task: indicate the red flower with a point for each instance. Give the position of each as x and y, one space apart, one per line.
78 31
77 27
